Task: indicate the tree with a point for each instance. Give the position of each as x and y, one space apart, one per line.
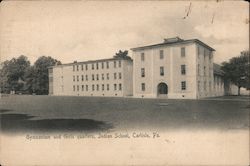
122 55
237 70
40 79
12 74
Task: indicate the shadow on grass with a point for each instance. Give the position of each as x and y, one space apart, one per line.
21 123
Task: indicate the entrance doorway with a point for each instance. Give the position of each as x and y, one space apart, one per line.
162 89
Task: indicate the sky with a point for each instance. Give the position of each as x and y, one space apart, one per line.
88 30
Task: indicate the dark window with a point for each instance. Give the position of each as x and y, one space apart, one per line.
82 87
161 54
183 69
74 78
142 56
120 75
73 67
107 65
183 52
87 87
115 76
97 76
102 76
107 87
115 86
82 67
77 87
183 85
74 88
143 86
161 71
86 67
107 76
93 66
82 77
97 87
93 87
142 72
120 64
114 64
77 78
120 86
77 68
93 77
102 86
86 77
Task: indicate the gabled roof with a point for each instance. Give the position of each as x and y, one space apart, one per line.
173 41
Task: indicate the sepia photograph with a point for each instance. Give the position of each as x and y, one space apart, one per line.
124 83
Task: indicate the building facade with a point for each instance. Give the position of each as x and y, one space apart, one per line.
176 68
106 77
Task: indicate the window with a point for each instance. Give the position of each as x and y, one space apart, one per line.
120 64
198 69
77 68
93 67
183 69
87 87
93 77
199 51
161 71
107 87
74 78
120 75
82 77
142 56
102 76
142 72
102 65
77 78
93 87
120 86
82 67
107 76
82 87
77 87
114 64
86 67
199 85
183 52
143 86
86 77
115 76
97 76
103 87
161 54
107 65
115 86
74 88
204 70
205 85
97 87
73 67
183 85
97 66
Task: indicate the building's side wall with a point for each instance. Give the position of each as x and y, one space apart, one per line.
127 78
218 89
205 76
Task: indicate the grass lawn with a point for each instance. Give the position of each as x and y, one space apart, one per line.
76 114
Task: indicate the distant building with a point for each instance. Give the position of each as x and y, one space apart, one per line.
176 68
105 77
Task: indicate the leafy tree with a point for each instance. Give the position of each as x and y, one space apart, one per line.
122 54
237 70
40 79
12 74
